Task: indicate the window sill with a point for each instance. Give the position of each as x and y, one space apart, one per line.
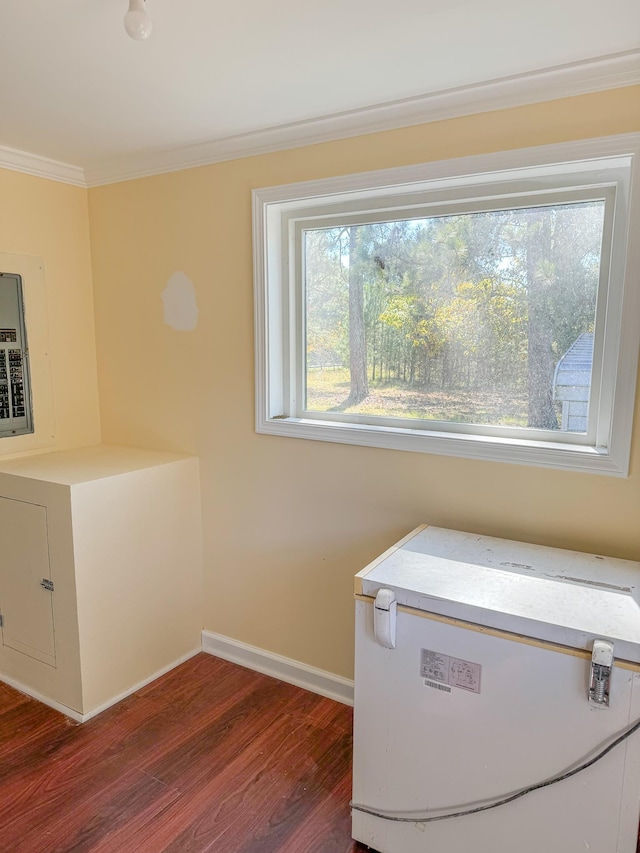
563 456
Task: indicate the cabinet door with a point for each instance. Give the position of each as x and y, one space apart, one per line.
25 605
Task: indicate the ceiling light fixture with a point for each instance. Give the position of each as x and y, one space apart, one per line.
137 22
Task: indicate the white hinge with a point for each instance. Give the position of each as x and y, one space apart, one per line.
600 676
45 583
384 618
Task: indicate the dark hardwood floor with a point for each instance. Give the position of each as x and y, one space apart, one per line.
211 757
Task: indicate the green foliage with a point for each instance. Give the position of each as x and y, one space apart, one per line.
478 303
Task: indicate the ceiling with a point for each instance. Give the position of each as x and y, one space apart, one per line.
76 89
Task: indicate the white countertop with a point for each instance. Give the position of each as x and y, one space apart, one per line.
80 465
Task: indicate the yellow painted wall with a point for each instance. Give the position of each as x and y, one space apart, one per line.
288 522
50 220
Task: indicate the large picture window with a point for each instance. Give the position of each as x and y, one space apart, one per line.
455 307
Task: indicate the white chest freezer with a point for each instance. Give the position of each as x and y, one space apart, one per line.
476 680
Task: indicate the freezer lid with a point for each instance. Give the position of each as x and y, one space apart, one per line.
564 597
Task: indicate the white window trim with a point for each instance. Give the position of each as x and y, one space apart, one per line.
275 324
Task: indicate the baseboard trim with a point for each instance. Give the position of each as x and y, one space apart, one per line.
285 669
114 701
34 694
82 718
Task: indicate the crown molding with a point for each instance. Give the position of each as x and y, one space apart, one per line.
41 167
609 72
562 81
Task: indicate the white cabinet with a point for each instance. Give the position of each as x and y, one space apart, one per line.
100 572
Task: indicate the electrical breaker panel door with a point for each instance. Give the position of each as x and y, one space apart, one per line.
15 394
25 580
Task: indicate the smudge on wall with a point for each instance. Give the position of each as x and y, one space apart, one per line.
180 307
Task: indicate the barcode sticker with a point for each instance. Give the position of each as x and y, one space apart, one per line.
444 687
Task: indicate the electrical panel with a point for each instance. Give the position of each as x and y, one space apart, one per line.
15 391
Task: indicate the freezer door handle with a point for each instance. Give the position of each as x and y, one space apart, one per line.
384 618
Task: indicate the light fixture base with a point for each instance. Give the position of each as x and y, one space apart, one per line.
137 21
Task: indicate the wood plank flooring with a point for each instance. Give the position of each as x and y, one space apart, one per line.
211 757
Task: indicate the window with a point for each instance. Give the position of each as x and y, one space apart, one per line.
485 307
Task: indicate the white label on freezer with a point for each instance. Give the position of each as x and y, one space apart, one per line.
465 675
436 667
